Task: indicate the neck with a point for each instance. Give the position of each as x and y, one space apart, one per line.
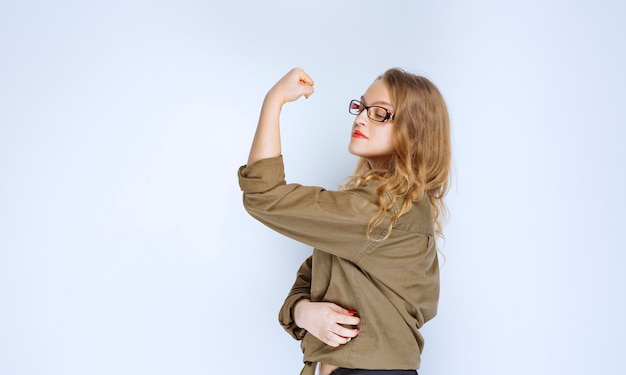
379 163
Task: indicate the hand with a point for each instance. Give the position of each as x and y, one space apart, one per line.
324 320
293 85
266 142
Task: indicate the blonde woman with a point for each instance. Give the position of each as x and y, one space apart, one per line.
373 279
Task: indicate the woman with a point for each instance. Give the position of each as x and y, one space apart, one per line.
373 280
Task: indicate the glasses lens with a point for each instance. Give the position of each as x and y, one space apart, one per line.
355 107
378 113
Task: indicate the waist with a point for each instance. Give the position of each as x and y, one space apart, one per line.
348 371
326 369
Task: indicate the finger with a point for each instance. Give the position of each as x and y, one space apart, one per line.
347 319
335 340
306 83
308 91
338 309
332 339
346 332
304 78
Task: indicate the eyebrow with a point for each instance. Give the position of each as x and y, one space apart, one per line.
376 103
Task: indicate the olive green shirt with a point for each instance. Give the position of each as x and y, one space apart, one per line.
393 283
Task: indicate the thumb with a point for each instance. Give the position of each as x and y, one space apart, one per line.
308 91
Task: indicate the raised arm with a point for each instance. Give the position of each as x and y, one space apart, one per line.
266 143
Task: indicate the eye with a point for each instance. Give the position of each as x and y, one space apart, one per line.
379 113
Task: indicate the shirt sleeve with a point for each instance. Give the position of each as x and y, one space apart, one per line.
331 221
301 289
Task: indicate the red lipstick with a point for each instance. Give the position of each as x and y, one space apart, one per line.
358 134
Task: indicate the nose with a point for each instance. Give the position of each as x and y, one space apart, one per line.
361 117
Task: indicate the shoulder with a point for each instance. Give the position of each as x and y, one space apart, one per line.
419 219
369 192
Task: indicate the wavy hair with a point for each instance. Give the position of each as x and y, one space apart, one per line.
421 161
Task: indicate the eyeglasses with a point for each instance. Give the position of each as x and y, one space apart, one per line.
374 112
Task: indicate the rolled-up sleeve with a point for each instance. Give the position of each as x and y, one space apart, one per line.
301 289
262 176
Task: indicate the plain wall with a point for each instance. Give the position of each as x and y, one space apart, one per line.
124 247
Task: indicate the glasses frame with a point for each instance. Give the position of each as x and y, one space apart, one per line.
388 116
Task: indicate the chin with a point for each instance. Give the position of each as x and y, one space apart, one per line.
355 153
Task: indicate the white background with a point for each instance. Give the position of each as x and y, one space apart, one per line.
124 248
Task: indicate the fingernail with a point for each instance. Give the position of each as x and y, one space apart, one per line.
352 312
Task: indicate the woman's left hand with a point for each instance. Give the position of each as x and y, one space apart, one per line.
325 321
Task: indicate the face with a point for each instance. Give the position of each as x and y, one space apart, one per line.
370 139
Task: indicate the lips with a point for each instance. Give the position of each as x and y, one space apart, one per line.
358 134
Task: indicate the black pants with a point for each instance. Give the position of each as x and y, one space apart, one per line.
350 371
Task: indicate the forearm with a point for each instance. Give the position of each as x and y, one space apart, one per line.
298 312
266 143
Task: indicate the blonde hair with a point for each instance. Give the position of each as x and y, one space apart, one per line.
421 161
